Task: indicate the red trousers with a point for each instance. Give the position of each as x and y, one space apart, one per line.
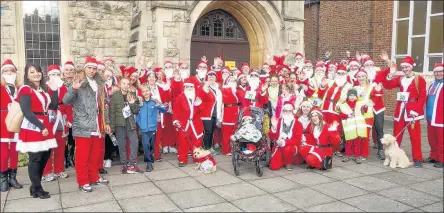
57 156
168 135
87 155
415 137
227 131
8 155
365 144
184 145
353 147
283 156
330 118
157 144
217 135
436 141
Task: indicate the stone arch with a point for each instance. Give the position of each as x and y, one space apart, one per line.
261 21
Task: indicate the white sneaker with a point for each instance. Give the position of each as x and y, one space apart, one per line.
62 175
48 177
86 188
172 149
165 150
216 145
107 163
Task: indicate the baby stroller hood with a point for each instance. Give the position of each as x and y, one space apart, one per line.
257 115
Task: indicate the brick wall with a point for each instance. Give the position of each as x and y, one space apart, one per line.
311 12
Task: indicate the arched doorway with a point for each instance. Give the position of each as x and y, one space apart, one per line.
217 33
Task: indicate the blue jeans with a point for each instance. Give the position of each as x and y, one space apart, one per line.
148 139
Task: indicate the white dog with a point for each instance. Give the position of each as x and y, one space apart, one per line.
205 161
394 156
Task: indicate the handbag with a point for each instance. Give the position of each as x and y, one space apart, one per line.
14 118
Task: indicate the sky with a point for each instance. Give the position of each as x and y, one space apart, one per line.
44 7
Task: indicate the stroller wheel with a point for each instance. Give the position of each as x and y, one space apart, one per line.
259 169
267 157
235 163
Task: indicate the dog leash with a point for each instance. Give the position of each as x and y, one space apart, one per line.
188 137
403 129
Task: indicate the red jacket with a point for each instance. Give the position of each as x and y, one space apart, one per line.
416 98
231 107
5 101
63 108
260 100
188 115
332 96
437 112
327 138
293 138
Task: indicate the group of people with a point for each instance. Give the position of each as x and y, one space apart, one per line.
315 111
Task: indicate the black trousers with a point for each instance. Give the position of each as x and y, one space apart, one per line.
69 149
209 126
37 163
378 128
109 148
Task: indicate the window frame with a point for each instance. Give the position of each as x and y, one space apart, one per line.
426 69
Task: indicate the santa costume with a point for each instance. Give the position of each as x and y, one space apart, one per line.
8 152
409 110
230 114
287 136
251 95
434 115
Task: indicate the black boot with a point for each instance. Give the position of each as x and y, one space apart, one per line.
380 154
4 181
13 179
37 192
327 163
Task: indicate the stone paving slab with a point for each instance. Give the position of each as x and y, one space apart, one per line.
220 207
135 190
155 203
339 173
376 203
263 203
410 197
437 207
276 184
431 187
339 190
30 204
308 178
79 198
398 178
237 191
177 185
165 174
195 198
111 206
370 183
304 197
336 206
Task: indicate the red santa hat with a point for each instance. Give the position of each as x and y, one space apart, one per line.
68 65
201 62
331 63
320 66
308 62
240 76
211 72
53 69
157 69
127 72
354 61
408 61
288 106
226 69
247 112
228 78
166 63
254 72
362 70
188 82
265 65
316 110
220 57
366 61
8 64
90 62
341 68
299 54
344 61
438 67
100 65
245 64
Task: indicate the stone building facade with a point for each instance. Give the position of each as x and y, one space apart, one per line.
155 30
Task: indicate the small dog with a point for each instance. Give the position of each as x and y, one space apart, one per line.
205 161
394 156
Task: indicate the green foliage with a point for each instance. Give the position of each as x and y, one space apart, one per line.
23 159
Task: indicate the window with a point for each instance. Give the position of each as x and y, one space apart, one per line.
41 32
218 25
418 32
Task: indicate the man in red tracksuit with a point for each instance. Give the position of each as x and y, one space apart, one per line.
409 110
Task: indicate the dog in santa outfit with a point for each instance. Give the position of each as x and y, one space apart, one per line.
434 116
287 134
205 161
410 101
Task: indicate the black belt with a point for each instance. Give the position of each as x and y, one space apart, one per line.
232 105
411 100
334 101
40 113
323 146
190 119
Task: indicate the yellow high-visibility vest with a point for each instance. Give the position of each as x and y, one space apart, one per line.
365 99
356 126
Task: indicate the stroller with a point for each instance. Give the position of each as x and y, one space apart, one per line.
258 154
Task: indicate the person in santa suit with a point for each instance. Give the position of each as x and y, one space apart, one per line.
199 79
410 102
287 134
370 68
89 112
230 112
315 82
304 89
323 135
225 74
330 71
56 118
186 117
131 73
168 69
8 152
265 72
68 76
245 68
236 72
36 136
100 67
299 63
303 116
333 95
217 67
253 94
353 67
184 70
274 91
434 116
109 62
287 97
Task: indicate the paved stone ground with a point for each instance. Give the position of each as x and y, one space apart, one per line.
347 187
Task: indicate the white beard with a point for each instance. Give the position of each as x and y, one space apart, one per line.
184 74
331 75
232 85
318 78
340 81
353 73
254 83
109 82
10 79
168 73
308 73
201 73
190 94
287 119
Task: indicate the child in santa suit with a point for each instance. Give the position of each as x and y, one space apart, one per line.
8 153
355 129
287 134
434 115
55 166
230 113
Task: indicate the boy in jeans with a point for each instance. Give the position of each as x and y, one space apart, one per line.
147 121
123 106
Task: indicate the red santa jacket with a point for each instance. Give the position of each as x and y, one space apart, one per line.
208 106
416 98
310 91
231 106
6 98
293 138
176 88
188 114
437 111
324 139
332 96
259 101
63 108
163 94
